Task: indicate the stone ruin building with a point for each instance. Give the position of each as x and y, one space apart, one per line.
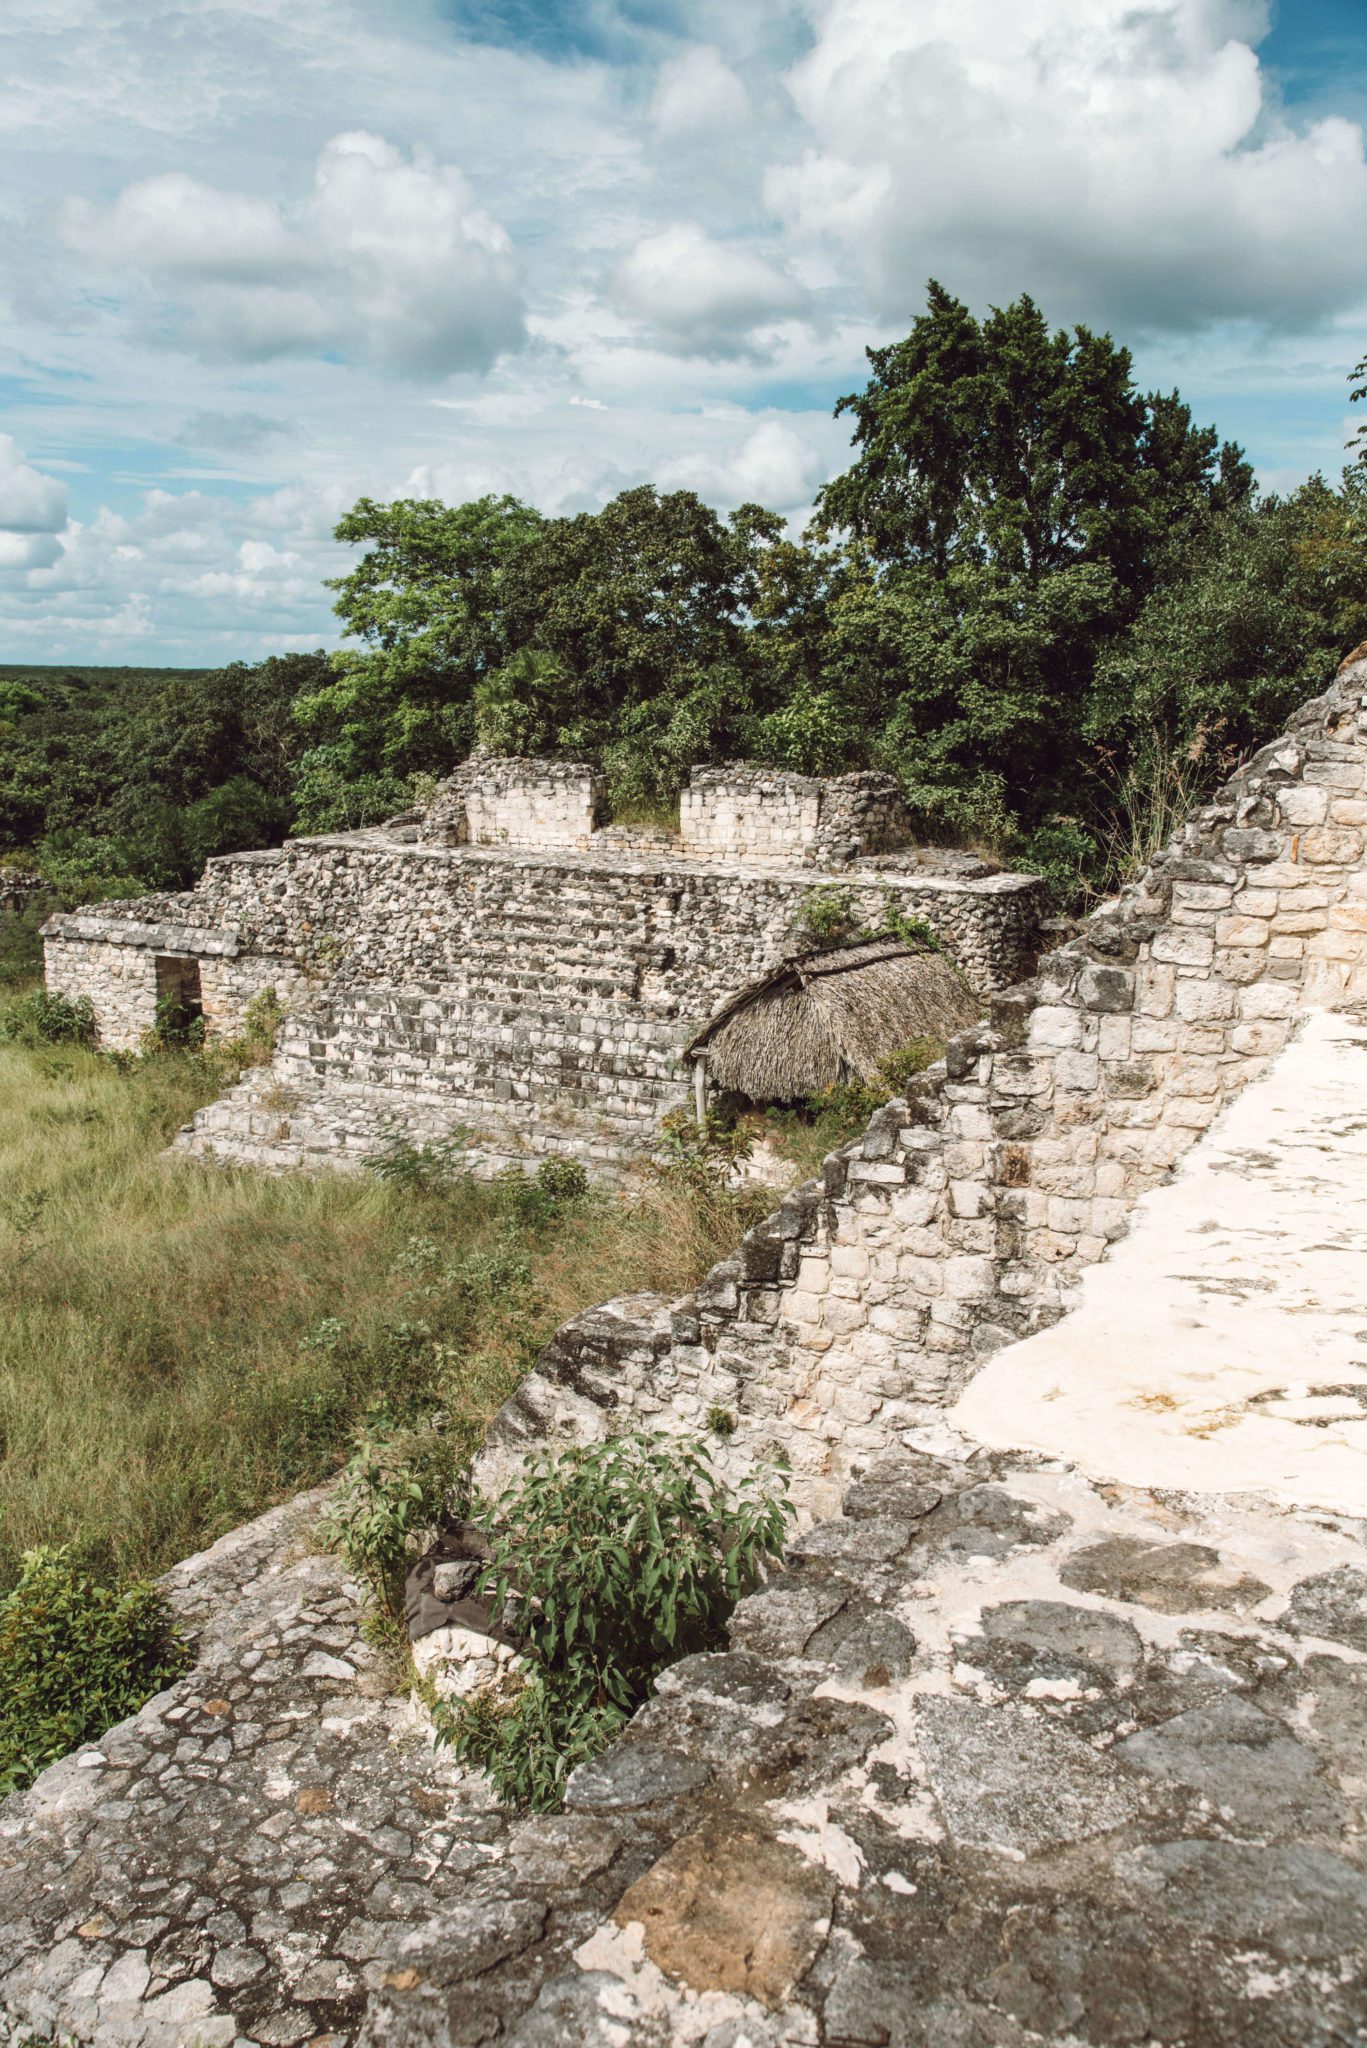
1051 1732
502 967
20 892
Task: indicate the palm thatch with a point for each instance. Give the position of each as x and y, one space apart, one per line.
821 1018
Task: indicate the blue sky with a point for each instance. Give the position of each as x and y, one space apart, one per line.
258 257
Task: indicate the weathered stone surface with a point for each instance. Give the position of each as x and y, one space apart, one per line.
1068 1760
944 1799
1332 1605
1241 1761
1004 1779
1173 1578
732 1908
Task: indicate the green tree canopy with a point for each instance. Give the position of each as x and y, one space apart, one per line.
998 441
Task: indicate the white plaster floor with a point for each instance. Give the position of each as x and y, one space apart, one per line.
1222 1346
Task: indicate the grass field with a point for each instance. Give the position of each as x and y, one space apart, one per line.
180 1347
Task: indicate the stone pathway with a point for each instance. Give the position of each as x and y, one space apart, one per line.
1006 1756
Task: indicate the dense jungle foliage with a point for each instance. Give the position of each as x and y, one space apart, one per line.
1054 606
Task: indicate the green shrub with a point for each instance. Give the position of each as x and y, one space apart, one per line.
41 1018
610 1561
702 1156
564 1180
421 1169
805 1134
177 1027
395 1485
826 917
75 1657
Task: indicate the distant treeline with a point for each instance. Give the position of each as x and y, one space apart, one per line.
1056 608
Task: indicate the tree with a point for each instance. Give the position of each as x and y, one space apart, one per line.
426 598
1000 442
630 631
1357 378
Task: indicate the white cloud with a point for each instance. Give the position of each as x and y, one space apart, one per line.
697 90
33 512
173 223
388 261
29 501
699 296
1118 161
773 466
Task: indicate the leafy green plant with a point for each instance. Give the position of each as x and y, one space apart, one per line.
421 1169
394 1486
177 1026
805 1134
703 1155
75 1656
564 1180
826 917
41 1018
252 1044
609 1562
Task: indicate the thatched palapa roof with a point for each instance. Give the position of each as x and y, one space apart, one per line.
820 1018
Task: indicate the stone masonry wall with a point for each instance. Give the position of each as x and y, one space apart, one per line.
510 800
762 814
957 1223
534 1002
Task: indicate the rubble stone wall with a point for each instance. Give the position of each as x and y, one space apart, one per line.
19 893
955 1225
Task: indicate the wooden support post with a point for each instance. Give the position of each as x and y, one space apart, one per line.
700 1088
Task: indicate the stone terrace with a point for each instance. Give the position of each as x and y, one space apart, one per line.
1005 1756
498 968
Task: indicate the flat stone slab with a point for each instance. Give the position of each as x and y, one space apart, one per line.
1099 1779
1222 1346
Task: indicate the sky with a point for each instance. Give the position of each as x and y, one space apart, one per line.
259 258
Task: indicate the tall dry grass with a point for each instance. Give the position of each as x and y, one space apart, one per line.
180 1346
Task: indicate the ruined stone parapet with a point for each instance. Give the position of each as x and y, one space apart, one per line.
21 892
508 800
958 1222
762 814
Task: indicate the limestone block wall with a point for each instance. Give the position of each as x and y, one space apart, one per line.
745 813
752 813
956 1224
533 803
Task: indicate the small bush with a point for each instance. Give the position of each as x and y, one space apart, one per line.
395 1485
254 1040
808 1132
703 1156
421 1169
75 1657
176 1026
610 1561
41 1018
563 1180
827 918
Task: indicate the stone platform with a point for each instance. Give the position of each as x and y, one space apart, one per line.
1006 1756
